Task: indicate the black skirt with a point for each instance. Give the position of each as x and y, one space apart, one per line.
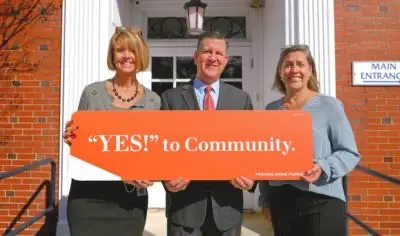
105 208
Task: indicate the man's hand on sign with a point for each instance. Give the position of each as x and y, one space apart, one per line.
242 183
176 185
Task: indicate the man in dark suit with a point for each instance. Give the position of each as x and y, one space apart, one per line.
206 208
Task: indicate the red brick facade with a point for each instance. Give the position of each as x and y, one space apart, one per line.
370 30
30 63
30 93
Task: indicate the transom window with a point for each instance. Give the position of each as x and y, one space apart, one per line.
176 27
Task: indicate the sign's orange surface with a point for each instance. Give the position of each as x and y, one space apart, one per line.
196 145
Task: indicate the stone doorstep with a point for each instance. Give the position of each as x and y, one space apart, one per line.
246 212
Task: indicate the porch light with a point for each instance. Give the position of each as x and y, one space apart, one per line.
195 16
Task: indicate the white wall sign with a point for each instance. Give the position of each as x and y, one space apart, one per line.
376 73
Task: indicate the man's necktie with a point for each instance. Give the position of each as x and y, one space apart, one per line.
208 102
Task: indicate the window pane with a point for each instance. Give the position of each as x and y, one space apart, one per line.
166 27
162 67
236 84
181 83
234 68
159 87
233 27
185 67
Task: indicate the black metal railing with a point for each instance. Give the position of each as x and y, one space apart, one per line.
374 173
50 195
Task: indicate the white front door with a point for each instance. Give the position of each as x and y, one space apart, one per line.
173 66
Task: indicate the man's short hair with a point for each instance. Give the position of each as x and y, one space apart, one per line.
211 35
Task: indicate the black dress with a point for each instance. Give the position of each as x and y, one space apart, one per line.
97 208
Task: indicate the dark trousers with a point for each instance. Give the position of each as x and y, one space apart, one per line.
297 212
209 228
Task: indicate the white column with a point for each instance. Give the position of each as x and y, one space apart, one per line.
312 22
274 31
86 28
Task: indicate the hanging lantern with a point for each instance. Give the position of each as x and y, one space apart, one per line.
195 16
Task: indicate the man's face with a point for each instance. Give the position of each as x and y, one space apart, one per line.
211 59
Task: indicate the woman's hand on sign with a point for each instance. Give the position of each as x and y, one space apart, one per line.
242 183
176 185
69 133
140 183
312 174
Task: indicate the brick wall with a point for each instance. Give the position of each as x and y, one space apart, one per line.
29 103
370 30
29 108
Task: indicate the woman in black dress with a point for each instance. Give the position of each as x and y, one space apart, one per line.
113 208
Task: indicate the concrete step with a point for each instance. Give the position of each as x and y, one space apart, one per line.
254 224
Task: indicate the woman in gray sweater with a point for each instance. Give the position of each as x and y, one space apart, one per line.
315 205
113 207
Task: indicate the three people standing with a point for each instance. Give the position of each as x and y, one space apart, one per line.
314 205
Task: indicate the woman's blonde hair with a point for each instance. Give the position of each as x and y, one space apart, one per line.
312 83
133 40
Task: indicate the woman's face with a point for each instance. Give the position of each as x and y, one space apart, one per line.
124 60
295 71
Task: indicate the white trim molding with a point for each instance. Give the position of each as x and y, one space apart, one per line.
151 5
312 22
274 38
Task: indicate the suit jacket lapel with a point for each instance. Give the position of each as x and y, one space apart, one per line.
223 98
190 97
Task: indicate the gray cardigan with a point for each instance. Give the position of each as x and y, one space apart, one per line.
335 148
96 97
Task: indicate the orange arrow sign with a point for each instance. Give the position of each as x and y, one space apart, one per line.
196 145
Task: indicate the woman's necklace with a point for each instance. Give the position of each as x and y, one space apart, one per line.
126 99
